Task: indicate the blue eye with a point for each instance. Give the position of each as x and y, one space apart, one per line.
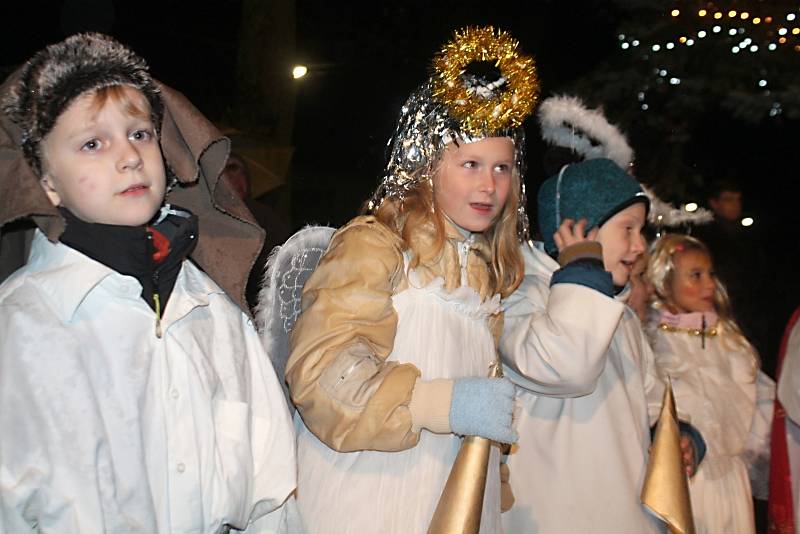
91 145
142 135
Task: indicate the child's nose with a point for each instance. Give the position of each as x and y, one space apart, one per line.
488 183
129 157
638 244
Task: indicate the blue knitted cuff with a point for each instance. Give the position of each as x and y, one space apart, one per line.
586 272
697 440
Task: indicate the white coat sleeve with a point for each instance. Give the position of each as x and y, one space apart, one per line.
789 381
757 447
555 340
273 438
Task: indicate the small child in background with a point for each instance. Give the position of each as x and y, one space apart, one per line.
392 352
135 394
716 380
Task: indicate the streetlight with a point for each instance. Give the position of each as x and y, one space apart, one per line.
299 71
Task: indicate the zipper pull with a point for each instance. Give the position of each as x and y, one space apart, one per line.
703 331
157 302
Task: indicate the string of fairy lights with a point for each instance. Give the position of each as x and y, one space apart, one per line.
744 31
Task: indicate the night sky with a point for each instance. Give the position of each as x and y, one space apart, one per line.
371 55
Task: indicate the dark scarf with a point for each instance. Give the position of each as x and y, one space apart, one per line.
151 254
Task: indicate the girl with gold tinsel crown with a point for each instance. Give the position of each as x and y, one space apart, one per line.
400 321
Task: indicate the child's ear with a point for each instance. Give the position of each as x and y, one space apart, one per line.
46 182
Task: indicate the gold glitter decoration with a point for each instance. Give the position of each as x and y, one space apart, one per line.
711 332
495 109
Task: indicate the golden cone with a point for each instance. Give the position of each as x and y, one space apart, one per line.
460 506
666 490
461 503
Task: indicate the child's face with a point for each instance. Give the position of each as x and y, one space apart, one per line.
691 287
104 164
621 237
473 182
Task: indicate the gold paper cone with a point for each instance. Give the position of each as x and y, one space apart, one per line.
666 490
461 504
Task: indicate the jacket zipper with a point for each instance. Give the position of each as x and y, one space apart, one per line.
157 304
156 294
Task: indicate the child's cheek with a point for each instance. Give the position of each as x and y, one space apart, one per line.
86 184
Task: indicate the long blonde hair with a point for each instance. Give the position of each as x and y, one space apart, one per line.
421 225
661 271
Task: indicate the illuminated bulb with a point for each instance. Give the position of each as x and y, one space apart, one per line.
732 31
702 13
772 46
682 39
635 43
754 48
782 40
790 17
674 81
782 31
299 71
735 49
757 20
717 15
656 48
689 42
768 20
662 72
747 221
624 46
644 107
795 31
675 12
670 46
797 48
716 29
762 83
701 34
731 13
621 37
690 207
745 15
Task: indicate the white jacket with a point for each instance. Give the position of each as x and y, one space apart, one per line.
108 428
583 369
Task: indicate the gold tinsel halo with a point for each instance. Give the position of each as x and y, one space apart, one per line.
502 109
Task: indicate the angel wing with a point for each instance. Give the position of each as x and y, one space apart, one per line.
286 272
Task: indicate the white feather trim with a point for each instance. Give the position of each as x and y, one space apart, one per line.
568 123
665 214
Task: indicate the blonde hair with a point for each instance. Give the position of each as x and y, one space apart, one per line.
421 226
132 101
661 270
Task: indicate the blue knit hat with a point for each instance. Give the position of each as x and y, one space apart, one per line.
595 190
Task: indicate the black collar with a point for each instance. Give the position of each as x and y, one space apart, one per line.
129 249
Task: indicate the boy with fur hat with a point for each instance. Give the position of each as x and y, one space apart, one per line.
135 395
581 361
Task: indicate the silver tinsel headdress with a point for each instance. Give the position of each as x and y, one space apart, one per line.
481 86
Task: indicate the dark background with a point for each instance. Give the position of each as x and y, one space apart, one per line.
365 58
